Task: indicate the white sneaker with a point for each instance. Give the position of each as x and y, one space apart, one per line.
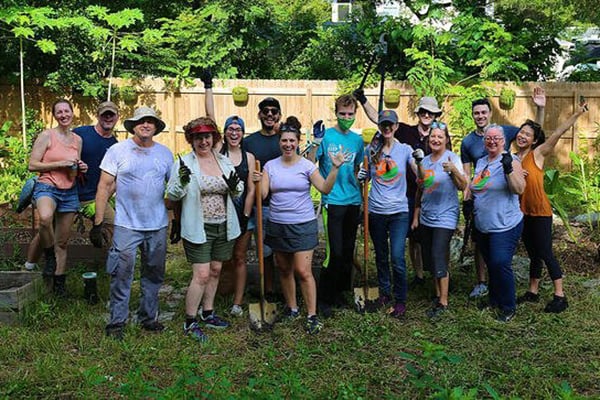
479 290
30 266
236 310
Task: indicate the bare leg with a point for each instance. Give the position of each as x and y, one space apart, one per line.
303 268
443 288
239 263
211 286
269 269
558 287
414 250
64 222
46 208
480 264
34 251
286 276
197 287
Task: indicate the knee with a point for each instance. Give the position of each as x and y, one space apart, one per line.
200 278
45 221
305 275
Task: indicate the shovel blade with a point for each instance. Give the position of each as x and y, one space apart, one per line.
256 318
360 301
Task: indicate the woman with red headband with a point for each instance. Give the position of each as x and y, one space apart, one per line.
206 183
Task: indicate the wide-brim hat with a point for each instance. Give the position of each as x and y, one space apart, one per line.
430 104
141 113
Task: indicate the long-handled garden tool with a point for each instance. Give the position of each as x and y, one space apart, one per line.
365 295
263 314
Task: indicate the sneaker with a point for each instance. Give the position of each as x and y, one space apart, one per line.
215 322
528 297
479 290
195 332
398 310
30 266
153 326
437 311
313 325
114 331
557 305
505 316
236 310
289 315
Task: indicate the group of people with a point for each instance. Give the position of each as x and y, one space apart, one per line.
414 179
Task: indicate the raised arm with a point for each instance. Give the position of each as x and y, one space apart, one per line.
209 103
370 111
547 148
539 99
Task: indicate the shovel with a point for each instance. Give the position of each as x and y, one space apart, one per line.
262 315
364 296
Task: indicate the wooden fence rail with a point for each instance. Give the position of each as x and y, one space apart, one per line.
309 101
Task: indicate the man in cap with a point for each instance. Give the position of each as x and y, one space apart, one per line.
472 148
96 139
427 111
137 169
264 145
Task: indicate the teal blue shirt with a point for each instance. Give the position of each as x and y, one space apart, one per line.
346 190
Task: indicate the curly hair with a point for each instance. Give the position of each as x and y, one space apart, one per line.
189 135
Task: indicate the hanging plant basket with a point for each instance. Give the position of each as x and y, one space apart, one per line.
128 95
240 96
367 134
507 99
391 98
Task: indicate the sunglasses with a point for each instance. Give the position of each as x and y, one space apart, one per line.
422 112
288 128
438 125
270 110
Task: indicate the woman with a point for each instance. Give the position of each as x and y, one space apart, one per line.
56 156
292 230
496 187
206 183
537 223
437 209
388 210
244 167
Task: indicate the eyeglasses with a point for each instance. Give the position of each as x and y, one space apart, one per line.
438 125
234 130
269 110
494 139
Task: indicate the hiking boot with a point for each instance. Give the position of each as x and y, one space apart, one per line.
50 264
398 311
59 286
236 310
557 305
214 321
528 297
313 325
153 326
381 302
194 331
114 331
479 290
289 315
505 315
437 311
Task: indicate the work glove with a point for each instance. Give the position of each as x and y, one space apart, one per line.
243 223
506 162
175 235
184 173
418 155
232 182
318 131
467 208
206 78
359 94
96 235
362 175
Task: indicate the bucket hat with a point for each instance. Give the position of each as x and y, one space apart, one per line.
141 113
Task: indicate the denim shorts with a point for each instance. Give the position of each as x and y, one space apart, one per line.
66 200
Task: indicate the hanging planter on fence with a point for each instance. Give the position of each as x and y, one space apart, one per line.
507 99
240 96
367 134
391 98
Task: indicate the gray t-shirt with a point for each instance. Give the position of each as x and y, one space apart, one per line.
141 174
439 202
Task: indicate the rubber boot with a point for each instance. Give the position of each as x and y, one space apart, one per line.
60 289
90 291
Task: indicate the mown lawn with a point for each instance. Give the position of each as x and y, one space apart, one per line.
60 351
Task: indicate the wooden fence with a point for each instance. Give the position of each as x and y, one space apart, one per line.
309 101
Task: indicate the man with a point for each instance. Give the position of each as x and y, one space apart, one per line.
416 136
96 139
342 203
472 149
137 169
264 144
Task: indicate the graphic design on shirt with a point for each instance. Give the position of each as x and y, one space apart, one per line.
386 171
480 181
349 155
429 183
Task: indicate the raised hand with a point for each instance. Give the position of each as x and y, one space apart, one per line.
539 97
184 172
418 155
318 131
206 78
359 94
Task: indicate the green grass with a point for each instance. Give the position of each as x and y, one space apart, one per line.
60 352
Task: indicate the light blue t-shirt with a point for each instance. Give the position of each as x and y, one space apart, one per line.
290 191
346 190
439 202
388 180
496 207
141 175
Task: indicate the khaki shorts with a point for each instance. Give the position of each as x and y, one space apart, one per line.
216 247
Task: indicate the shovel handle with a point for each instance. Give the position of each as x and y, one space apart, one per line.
365 195
259 223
